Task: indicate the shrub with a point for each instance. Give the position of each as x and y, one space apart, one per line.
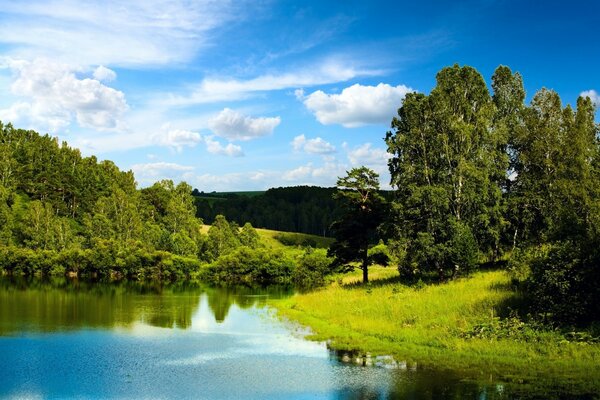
312 268
246 265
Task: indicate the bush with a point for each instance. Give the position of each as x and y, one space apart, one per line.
312 268
563 283
246 265
298 240
379 255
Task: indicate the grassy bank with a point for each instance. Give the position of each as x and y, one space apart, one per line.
433 325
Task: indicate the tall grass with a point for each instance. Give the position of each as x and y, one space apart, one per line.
427 324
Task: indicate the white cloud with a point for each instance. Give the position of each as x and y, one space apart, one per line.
104 74
178 138
214 147
312 146
112 32
365 154
54 96
324 175
152 172
233 125
357 105
299 173
218 89
593 95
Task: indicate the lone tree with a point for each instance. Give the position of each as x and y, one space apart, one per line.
363 210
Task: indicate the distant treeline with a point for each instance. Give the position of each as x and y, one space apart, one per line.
305 209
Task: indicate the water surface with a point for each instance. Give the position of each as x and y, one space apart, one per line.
69 339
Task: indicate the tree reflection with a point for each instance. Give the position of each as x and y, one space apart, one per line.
36 305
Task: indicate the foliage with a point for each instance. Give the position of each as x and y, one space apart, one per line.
312 268
447 166
247 265
363 210
291 239
306 209
379 254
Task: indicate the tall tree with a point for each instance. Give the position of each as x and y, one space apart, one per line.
364 209
446 166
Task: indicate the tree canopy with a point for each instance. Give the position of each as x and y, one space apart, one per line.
363 211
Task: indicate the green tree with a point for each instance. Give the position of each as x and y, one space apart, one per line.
221 238
364 209
446 167
248 236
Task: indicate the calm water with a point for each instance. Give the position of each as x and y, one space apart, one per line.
77 340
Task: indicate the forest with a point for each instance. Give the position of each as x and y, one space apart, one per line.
64 214
480 178
306 209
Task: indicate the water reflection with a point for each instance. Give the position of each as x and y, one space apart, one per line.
129 340
34 305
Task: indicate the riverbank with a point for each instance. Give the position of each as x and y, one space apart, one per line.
453 325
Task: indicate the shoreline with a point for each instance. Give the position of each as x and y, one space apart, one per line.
427 325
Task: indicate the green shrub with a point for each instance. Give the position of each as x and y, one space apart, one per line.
246 265
312 268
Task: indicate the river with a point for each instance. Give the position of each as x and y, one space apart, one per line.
71 339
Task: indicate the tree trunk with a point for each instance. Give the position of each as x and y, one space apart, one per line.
365 266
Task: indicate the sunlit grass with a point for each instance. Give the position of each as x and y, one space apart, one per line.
426 325
268 238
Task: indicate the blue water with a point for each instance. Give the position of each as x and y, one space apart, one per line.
115 342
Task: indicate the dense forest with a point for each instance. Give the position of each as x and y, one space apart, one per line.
306 209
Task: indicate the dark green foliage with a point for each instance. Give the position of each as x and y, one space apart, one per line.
363 210
447 166
564 282
290 239
306 209
379 254
477 175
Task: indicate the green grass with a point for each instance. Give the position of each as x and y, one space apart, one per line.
426 325
269 238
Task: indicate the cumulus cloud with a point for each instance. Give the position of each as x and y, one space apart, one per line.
149 173
357 105
233 125
365 154
54 96
593 95
312 146
112 32
308 174
178 139
104 74
214 147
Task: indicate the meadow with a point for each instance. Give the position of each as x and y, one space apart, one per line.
465 325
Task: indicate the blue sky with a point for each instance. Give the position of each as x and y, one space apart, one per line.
247 95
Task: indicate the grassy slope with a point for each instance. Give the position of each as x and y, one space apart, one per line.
268 237
425 325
